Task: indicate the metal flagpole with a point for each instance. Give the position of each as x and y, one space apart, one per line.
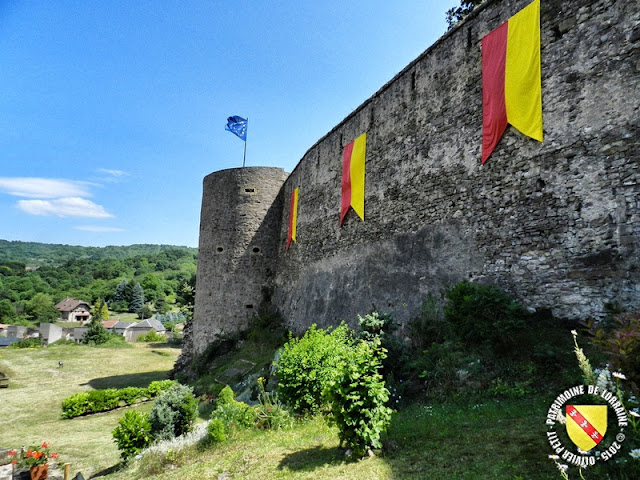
244 158
245 153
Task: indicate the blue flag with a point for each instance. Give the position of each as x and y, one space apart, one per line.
238 126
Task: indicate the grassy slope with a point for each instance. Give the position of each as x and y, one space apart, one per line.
496 440
31 405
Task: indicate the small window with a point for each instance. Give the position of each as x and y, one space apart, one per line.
220 249
256 249
250 190
249 306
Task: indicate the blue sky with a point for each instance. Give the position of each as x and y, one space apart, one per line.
112 112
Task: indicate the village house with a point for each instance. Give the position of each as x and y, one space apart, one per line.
72 310
142 328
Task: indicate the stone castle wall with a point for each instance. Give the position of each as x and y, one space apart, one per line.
557 223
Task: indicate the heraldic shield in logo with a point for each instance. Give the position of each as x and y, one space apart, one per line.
586 425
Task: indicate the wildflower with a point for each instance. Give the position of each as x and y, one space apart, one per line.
562 467
12 453
635 453
619 375
554 457
46 444
574 333
560 418
634 412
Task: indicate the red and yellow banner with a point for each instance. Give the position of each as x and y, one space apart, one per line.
293 217
511 84
353 177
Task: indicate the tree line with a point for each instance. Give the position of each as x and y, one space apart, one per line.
155 281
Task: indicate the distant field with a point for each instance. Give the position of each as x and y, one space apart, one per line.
31 404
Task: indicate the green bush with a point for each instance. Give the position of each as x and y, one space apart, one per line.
103 400
75 405
429 326
129 395
216 431
151 336
156 387
382 326
357 396
132 434
225 396
231 413
620 342
96 401
96 334
173 412
307 364
26 343
484 316
269 413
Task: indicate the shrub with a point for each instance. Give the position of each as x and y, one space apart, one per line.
307 364
269 413
132 434
75 405
216 431
484 316
96 401
225 396
151 336
26 343
96 334
357 395
129 395
156 387
173 412
429 326
232 413
382 326
621 343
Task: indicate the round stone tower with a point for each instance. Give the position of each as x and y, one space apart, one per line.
239 231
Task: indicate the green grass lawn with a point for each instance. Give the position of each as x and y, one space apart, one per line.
31 405
488 440
495 440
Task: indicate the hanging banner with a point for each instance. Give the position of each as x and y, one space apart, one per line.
353 177
511 84
293 217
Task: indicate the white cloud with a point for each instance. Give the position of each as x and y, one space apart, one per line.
115 173
95 228
33 187
64 207
112 176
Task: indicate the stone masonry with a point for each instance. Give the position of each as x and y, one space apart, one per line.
557 224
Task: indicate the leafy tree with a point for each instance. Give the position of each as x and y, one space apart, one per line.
96 334
161 305
137 298
145 312
42 309
100 310
456 14
152 286
187 296
7 312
